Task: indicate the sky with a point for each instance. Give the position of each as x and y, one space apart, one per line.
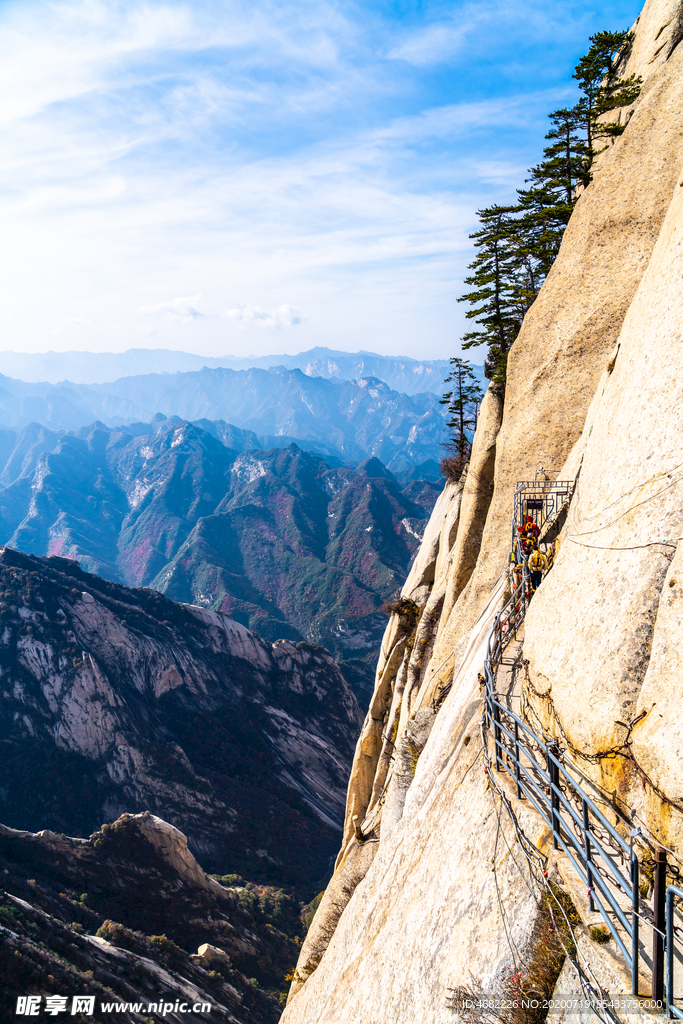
233 178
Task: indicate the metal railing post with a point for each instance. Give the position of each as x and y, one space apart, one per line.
659 907
517 771
588 854
496 734
554 778
670 932
634 924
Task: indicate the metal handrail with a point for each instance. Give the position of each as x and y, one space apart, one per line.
536 767
541 783
541 499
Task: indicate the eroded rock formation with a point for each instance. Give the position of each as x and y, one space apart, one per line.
128 916
115 700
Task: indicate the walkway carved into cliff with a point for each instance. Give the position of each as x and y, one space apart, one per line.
616 863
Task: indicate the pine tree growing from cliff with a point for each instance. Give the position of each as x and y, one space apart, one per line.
544 208
463 401
517 245
563 160
598 76
495 289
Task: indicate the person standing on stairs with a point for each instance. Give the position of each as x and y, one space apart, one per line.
529 533
538 566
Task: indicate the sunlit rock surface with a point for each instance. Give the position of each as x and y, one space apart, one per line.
449 897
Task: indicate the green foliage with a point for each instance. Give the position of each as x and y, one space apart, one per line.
162 944
308 913
603 90
517 244
493 281
600 935
463 401
115 933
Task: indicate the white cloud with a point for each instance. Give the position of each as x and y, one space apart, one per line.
474 27
183 309
432 45
77 321
75 46
254 316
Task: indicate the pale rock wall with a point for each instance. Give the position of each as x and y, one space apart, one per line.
444 562
429 912
476 499
373 747
404 638
400 717
569 333
604 631
426 916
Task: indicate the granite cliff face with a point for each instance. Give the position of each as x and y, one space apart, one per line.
433 889
115 700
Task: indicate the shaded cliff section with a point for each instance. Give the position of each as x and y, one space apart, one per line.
115 700
128 915
593 383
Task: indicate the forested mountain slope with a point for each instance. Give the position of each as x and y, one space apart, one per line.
120 916
287 545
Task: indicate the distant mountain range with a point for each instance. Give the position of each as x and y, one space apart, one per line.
287 544
409 376
353 420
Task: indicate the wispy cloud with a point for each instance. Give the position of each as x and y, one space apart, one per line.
433 44
184 309
284 316
77 321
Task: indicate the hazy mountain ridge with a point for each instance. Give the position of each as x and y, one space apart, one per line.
359 419
287 544
401 373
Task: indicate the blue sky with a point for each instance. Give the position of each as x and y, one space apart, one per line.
234 178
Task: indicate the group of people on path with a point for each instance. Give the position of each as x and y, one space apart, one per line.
537 562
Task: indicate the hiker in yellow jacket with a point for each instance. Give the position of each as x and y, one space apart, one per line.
538 566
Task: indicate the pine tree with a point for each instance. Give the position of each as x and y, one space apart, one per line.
563 160
602 88
494 298
536 233
544 209
517 245
463 401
